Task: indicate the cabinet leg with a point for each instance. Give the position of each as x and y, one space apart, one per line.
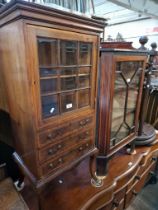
39 199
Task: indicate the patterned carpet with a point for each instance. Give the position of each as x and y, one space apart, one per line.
147 199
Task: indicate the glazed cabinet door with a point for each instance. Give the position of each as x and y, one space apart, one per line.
122 75
126 98
65 72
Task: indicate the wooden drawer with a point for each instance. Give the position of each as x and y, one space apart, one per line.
65 144
107 207
126 179
138 185
64 130
66 158
119 196
120 206
149 162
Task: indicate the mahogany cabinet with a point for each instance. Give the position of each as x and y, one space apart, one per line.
121 82
49 64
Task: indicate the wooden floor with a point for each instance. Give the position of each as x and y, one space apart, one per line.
147 199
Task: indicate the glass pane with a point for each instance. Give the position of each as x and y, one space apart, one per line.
119 82
48 85
83 98
68 53
84 81
47 51
50 106
130 118
45 72
130 70
85 53
68 83
132 98
127 80
69 71
116 123
84 71
123 133
68 101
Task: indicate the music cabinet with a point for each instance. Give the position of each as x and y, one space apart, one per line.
48 70
121 82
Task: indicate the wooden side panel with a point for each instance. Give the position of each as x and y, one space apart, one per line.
3 100
13 65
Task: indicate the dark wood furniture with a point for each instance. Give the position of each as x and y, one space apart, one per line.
126 176
121 82
48 83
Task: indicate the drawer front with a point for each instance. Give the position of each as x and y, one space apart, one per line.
126 179
138 185
107 207
54 134
119 196
66 158
65 144
149 162
120 206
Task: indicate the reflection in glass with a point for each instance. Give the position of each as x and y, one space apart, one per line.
68 83
85 53
84 81
83 98
68 52
48 85
50 105
130 118
84 70
68 101
132 98
69 71
45 72
47 51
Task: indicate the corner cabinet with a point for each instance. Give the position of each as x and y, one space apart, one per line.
121 82
49 62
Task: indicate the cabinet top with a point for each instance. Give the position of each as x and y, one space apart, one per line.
124 51
19 9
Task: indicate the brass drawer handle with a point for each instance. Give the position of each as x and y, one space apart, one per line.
60 160
49 136
59 146
154 158
84 122
87 133
51 165
80 148
134 192
116 203
50 152
137 177
87 145
52 135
